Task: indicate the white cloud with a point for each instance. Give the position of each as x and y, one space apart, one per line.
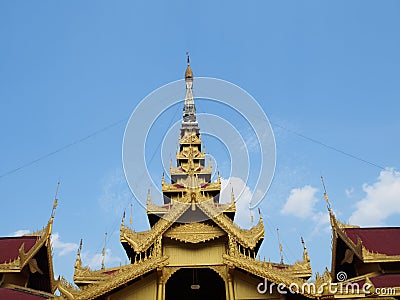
62 248
321 220
20 232
301 202
95 260
349 192
116 194
243 196
382 200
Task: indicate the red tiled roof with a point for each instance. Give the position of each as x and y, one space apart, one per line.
10 294
110 272
9 247
387 280
382 240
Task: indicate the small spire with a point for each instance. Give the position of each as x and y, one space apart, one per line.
306 257
280 246
148 197
78 261
103 252
130 218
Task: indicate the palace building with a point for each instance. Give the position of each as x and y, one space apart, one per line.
194 250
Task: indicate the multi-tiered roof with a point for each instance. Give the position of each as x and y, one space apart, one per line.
192 213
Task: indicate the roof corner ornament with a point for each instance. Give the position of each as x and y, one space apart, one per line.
306 257
260 215
53 212
325 194
78 261
123 219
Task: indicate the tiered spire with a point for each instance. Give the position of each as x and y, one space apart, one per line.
189 110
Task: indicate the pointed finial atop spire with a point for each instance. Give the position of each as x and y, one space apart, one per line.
189 72
80 247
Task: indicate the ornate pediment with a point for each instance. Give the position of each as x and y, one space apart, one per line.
194 232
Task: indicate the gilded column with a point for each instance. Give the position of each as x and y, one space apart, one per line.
230 285
160 286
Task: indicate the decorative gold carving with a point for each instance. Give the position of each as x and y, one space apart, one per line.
194 232
369 256
300 269
261 269
141 241
233 250
85 275
33 266
247 237
323 281
167 272
190 139
221 271
118 279
68 290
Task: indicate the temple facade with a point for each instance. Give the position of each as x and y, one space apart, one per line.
194 250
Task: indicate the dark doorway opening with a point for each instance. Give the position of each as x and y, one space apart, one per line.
195 284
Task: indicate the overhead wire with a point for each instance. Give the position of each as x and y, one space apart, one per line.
69 145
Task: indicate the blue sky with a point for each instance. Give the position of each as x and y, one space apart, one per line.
329 70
